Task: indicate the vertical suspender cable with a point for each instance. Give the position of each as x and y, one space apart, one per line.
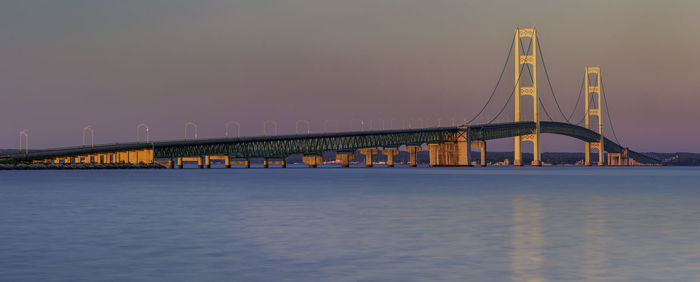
546 73
607 110
510 50
580 91
516 83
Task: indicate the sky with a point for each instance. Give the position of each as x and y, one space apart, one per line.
114 64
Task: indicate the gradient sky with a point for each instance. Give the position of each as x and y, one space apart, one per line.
113 64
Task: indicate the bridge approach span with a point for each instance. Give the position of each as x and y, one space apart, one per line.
279 147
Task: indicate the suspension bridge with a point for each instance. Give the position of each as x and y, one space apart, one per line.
447 146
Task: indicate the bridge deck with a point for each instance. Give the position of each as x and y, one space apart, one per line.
284 145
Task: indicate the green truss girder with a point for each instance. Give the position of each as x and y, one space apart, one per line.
317 144
301 144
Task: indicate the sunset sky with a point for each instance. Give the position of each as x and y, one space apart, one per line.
114 64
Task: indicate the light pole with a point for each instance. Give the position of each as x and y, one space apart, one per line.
362 124
325 125
138 132
382 123
421 122
274 123
238 128
194 125
24 133
308 126
92 135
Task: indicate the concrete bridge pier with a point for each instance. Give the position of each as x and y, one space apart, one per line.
344 158
282 163
463 147
199 160
207 161
613 159
412 150
227 161
587 154
390 153
482 146
434 150
368 155
312 161
245 163
448 154
170 163
444 154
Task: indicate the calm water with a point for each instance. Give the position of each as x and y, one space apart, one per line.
453 224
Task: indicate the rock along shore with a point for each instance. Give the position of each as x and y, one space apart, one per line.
78 166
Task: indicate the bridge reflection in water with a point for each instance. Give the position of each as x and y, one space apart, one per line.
595 241
527 239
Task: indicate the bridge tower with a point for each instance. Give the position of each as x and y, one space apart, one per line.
593 108
528 90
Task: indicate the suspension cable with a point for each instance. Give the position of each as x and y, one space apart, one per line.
503 108
607 109
545 109
546 73
510 51
580 91
580 122
591 101
531 77
516 82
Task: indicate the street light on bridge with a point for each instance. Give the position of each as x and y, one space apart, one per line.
92 135
274 123
362 124
382 123
325 125
422 122
194 125
24 133
138 132
308 126
238 128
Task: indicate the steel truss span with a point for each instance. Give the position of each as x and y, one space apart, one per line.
278 147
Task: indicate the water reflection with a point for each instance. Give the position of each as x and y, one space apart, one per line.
527 239
595 241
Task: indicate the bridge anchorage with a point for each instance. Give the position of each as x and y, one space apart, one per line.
447 146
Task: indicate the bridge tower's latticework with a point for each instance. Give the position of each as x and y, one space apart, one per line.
593 107
523 58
